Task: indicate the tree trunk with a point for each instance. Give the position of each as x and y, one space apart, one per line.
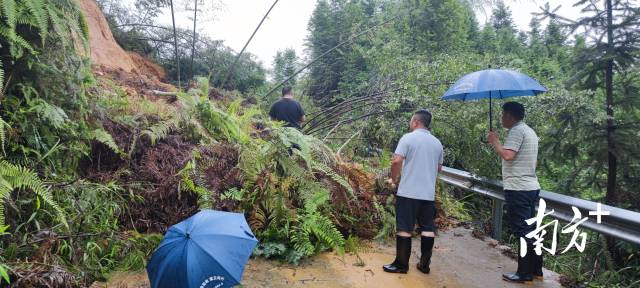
611 197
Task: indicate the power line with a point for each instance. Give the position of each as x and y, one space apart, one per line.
327 52
231 69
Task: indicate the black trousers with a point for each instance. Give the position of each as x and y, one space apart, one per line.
521 205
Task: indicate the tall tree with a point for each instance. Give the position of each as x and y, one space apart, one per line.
613 46
436 25
609 55
323 34
285 63
488 40
501 17
554 38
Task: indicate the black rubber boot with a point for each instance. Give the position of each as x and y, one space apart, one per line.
403 252
525 269
537 264
426 247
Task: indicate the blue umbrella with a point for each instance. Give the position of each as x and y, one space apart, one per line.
493 84
210 249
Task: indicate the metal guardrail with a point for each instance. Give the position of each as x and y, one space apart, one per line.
622 224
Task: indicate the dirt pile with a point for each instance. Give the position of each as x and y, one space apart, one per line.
104 48
134 84
146 67
105 51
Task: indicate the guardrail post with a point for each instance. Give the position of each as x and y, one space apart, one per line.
498 208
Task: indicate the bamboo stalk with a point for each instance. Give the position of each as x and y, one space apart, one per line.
327 52
231 69
175 43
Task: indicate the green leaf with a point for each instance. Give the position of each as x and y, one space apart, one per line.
4 274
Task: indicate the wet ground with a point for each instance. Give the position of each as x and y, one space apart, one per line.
459 260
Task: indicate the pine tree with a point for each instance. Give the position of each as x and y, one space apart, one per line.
554 38
603 62
616 52
436 25
501 17
323 35
285 63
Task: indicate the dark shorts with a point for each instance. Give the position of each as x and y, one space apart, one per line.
409 211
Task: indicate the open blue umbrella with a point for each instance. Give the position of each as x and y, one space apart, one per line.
493 84
210 249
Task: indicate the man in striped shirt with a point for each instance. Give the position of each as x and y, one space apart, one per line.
519 159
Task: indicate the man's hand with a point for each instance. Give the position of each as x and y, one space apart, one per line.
396 168
505 154
492 138
390 182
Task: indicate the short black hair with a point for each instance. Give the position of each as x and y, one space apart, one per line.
514 109
286 90
423 116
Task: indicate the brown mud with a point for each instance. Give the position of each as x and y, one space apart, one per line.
105 51
460 260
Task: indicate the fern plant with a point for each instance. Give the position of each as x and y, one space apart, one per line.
17 177
316 232
204 195
105 138
3 135
61 20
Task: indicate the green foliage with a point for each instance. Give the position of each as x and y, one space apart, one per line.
451 206
162 129
204 195
314 225
335 176
105 138
388 215
285 63
62 17
3 273
270 250
16 177
3 134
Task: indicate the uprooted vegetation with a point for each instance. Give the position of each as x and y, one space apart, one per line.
151 162
95 166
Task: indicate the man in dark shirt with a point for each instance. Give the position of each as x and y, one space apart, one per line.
287 110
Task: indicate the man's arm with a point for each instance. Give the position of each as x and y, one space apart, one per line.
301 111
506 154
396 168
272 112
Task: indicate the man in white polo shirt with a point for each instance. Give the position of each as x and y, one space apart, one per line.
521 188
418 158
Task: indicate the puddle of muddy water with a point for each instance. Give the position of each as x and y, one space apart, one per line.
458 261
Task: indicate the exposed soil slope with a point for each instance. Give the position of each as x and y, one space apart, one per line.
105 51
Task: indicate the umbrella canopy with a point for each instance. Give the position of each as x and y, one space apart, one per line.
493 84
210 249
